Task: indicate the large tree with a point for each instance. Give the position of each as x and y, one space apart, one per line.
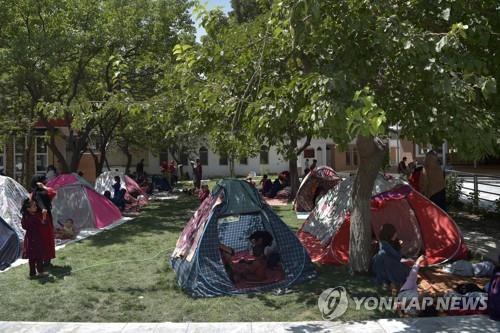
430 67
86 61
351 69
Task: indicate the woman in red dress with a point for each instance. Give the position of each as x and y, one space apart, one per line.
33 245
43 196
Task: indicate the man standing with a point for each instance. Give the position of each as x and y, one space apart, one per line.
313 165
139 169
306 166
197 174
432 182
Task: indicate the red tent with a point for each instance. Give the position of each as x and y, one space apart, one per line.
421 225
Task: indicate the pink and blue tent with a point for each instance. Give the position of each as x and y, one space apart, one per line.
77 200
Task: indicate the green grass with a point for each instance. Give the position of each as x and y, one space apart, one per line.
123 275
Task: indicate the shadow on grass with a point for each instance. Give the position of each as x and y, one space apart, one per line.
165 217
59 272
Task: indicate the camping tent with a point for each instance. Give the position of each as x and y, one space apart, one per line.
12 195
106 180
229 216
10 248
77 200
422 226
314 185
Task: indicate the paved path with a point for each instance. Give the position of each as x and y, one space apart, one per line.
437 324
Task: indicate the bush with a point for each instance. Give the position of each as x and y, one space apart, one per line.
497 206
453 190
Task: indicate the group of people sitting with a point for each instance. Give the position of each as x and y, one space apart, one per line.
121 198
270 189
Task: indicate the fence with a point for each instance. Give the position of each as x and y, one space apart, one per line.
486 187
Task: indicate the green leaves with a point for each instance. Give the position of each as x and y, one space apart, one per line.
365 117
489 87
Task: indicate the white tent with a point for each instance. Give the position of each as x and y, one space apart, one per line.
12 195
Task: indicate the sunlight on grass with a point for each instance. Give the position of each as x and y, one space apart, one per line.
123 275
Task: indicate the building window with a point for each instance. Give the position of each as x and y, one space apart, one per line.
203 156
423 150
2 159
41 155
19 147
309 153
223 159
264 155
351 157
244 160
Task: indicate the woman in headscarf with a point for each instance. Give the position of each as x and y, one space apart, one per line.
386 264
432 182
43 196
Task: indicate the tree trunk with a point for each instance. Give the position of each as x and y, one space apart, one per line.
127 153
294 175
102 158
371 155
76 156
231 167
63 164
107 163
28 159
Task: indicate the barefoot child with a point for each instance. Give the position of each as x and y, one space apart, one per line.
33 247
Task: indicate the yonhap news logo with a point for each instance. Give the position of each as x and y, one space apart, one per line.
334 302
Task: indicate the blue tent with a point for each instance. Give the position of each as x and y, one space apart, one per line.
10 248
161 184
229 216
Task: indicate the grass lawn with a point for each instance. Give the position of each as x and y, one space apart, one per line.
123 275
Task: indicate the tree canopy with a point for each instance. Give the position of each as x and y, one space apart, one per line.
89 62
351 69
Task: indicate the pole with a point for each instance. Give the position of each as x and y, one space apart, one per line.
445 152
398 153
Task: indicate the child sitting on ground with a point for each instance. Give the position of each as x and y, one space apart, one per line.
245 269
386 264
252 269
107 194
67 231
